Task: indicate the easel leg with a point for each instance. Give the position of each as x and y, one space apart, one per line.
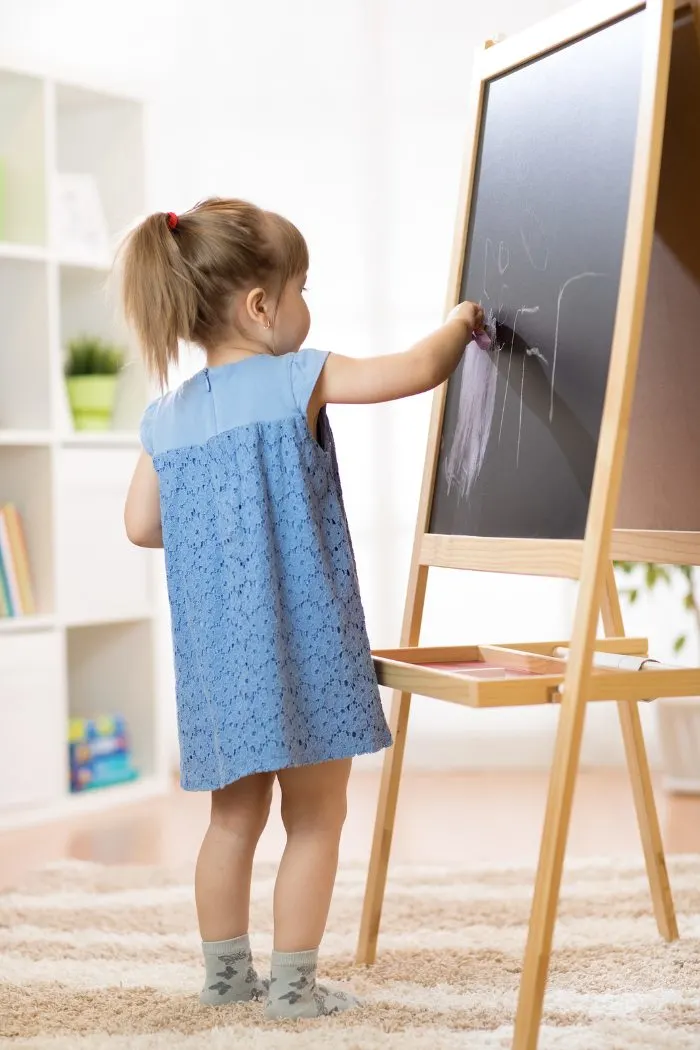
383 831
640 778
393 759
547 883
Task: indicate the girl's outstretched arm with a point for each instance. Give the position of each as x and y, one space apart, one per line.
142 510
354 381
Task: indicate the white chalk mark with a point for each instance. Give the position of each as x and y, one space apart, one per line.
576 277
477 399
530 351
541 266
534 351
503 257
520 420
486 264
501 303
520 310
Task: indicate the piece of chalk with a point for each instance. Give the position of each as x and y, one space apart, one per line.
485 337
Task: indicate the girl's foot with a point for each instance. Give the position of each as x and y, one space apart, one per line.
230 974
294 991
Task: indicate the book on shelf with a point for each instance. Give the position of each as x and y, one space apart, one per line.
5 607
16 593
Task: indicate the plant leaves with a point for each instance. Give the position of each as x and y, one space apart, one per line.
679 643
90 355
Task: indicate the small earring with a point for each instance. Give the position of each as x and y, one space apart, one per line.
267 324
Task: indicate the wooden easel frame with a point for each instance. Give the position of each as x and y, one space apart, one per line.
587 560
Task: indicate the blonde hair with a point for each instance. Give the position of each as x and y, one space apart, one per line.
179 272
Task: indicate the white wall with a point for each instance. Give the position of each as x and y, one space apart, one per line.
349 117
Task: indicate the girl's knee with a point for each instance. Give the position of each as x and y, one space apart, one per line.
320 815
315 802
243 808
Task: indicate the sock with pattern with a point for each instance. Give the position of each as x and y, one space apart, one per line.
295 992
230 974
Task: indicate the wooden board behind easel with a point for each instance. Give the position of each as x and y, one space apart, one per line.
499 539
658 516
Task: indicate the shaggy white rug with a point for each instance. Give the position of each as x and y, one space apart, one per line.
107 958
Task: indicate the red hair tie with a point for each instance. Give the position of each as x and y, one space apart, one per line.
172 220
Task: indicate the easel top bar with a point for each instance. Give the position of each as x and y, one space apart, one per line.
554 32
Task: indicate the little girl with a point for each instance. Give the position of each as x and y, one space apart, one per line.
238 481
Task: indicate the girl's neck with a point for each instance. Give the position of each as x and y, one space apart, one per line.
236 350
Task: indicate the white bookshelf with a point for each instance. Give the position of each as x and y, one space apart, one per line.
90 648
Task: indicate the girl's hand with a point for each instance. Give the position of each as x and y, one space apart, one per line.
470 313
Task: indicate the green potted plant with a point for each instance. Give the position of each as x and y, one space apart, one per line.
678 717
92 367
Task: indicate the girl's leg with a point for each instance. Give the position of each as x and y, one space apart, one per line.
314 805
239 813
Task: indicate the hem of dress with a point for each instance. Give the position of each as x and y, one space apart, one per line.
335 757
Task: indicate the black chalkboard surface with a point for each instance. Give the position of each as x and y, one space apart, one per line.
543 256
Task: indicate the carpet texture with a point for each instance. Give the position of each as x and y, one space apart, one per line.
107 958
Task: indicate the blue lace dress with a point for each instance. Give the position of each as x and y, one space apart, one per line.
272 660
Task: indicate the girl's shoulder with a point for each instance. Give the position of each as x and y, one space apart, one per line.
255 390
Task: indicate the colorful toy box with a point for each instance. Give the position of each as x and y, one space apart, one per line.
99 752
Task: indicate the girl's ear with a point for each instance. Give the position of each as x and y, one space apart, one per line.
256 307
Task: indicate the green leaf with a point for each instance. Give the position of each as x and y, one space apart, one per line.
679 643
651 575
689 602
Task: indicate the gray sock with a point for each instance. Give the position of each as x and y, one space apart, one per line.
294 991
230 974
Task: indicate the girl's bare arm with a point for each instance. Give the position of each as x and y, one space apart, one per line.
142 510
353 381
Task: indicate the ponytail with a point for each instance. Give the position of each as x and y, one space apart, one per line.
159 298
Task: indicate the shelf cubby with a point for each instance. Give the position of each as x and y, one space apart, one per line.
26 480
110 672
25 379
87 305
101 576
101 135
22 159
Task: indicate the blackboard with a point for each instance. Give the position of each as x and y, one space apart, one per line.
543 255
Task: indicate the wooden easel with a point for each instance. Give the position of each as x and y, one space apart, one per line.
545 678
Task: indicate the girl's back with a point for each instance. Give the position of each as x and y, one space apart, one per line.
272 659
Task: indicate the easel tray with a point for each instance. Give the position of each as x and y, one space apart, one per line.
524 673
